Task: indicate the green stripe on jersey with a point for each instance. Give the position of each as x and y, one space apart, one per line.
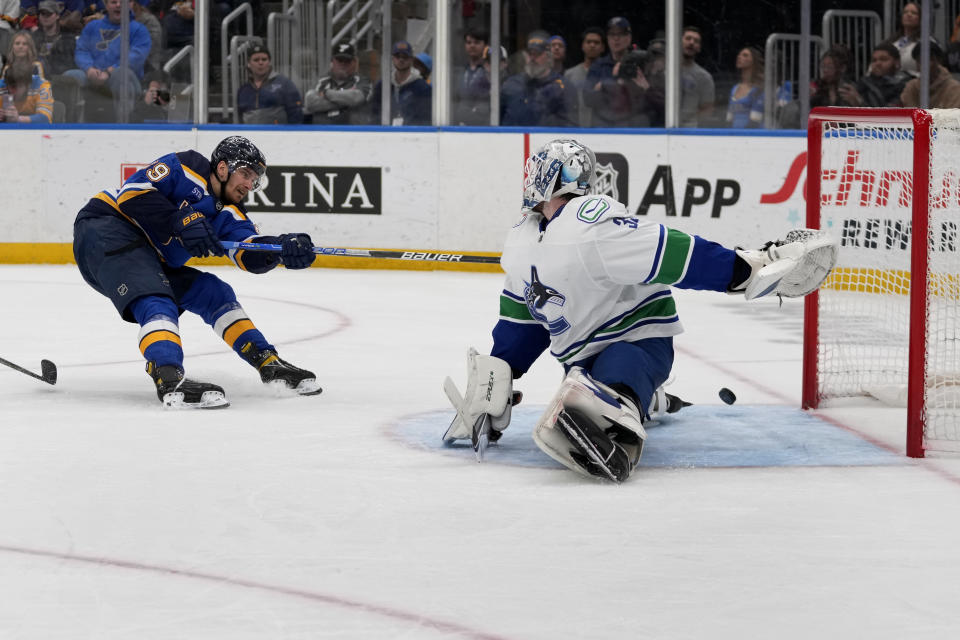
660 308
510 308
676 253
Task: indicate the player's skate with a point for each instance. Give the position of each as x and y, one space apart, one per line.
591 429
177 392
664 403
280 374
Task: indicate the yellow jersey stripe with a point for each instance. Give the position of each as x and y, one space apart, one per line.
126 195
233 331
195 177
110 201
156 336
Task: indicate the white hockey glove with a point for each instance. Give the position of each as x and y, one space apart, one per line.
791 267
483 412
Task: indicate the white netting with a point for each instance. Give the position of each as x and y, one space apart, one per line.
866 197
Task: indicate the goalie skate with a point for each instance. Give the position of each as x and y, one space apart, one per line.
177 392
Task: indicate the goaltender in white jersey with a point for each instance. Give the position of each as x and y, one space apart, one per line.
592 282
593 275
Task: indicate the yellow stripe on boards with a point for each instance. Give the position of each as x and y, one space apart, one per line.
62 253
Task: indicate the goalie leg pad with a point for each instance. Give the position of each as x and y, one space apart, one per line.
791 267
489 393
590 429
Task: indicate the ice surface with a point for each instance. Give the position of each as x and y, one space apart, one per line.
338 516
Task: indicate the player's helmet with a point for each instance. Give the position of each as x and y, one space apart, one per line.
558 167
237 152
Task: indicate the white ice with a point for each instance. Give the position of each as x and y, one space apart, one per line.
317 518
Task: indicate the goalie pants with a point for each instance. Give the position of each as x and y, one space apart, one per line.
643 366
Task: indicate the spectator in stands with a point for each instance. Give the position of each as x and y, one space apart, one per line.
9 21
155 105
55 49
621 101
268 97
25 95
423 63
472 97
410 95
884 82
745 109
504 63
575 78
619 41
907 35
340 97
944 88
536 97
140 13
69 12
656 73
697 91
953 48
98 58
178 25
481 110
558 51
830 89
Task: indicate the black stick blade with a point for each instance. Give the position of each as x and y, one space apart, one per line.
49 370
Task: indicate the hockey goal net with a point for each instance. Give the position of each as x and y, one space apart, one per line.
886 323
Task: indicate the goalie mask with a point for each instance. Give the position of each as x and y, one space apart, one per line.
237 152
559 167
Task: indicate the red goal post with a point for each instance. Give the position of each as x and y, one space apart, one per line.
885 323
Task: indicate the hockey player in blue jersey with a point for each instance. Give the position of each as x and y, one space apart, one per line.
592 282
131 245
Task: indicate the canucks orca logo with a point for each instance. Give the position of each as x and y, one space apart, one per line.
537 295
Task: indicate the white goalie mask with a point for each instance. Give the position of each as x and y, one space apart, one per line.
558 167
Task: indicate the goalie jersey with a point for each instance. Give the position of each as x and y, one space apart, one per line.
156 196
593 275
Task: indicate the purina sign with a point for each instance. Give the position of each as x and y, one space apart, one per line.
304 189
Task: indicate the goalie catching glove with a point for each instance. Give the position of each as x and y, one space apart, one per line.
791 267
483 411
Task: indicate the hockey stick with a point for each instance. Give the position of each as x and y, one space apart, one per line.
426 256
48 369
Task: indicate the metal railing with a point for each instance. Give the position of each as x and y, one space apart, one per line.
781 72
239 45
227 58
186 53
858 31
289 36
348 21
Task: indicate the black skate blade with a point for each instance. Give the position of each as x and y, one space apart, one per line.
675 403
578 438
481 436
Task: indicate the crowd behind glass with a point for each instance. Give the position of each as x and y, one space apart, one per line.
61 63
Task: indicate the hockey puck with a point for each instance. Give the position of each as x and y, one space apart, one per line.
727 396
